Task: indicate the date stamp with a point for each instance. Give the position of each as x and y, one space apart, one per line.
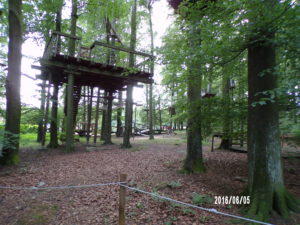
235 200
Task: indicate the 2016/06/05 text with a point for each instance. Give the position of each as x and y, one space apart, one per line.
235 200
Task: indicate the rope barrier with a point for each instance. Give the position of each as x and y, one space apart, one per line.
60 187
194 206
211 210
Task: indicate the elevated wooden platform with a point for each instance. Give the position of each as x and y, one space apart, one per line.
100 65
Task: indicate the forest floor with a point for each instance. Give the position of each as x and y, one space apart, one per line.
153 166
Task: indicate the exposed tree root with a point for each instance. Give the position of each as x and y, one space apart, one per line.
280 200
194 166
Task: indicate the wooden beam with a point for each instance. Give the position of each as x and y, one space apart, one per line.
66 35
94 71
121 49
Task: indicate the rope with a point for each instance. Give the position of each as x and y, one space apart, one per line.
60 187
211 210
194 206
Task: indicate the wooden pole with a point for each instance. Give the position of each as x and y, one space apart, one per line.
122 200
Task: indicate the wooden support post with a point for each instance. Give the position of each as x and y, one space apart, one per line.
122 200
70 114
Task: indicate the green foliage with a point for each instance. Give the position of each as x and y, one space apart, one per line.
27 128
199 199
174 184
8 140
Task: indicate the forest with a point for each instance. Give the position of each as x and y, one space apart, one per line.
157 112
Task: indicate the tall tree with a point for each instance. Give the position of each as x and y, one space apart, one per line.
53 125
97 116
266 184
10 148
151 136
129 102
42 111
194 159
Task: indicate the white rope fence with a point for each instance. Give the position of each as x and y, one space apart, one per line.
60 187
194 206
123 184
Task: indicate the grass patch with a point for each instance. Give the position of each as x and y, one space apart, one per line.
29 140
199 199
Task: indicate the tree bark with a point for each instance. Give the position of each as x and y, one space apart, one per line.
46 115
226 140
107 139
90 105
42 111
53 126
103 117
73 27
151 132
266 185
119 116
129 102
97 116
10 150
194 159
70 114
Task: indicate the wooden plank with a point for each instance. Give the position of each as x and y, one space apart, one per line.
94 71
121 49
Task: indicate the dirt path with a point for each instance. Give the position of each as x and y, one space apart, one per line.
150 166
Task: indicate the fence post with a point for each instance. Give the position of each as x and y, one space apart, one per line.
122 198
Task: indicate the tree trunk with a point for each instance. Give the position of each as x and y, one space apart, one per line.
159 110
73 27
119 116
129 102
107 139
42 112
53 126
10 150
90 105
266 185
151 132
84 109
103 117
46 115
194 159
226 140
70 114
97 116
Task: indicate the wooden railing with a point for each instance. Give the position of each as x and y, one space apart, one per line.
98 52
59 45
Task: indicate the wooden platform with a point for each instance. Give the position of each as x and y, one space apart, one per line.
90 64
